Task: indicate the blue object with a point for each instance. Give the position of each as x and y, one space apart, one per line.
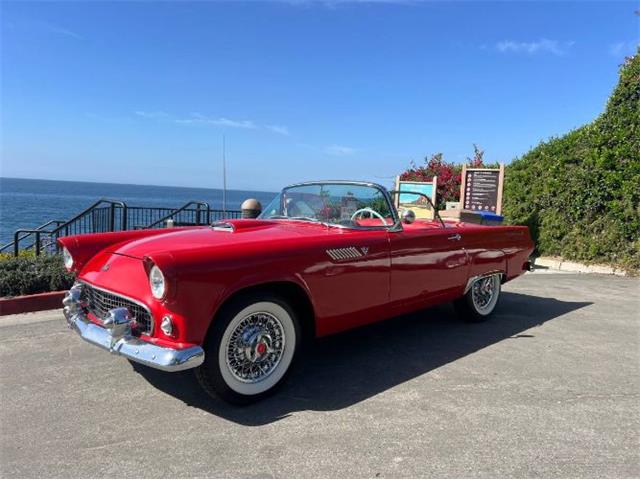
489 218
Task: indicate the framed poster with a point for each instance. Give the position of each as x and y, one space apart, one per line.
481 189
414 202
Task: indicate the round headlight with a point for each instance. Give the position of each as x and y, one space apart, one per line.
157 283
68 259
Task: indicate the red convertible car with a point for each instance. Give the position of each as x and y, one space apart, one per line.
237 299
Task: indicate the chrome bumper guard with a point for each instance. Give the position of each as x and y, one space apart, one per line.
115 336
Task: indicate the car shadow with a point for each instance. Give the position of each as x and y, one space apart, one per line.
342 370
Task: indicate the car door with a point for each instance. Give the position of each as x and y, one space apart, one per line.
350 279
428 264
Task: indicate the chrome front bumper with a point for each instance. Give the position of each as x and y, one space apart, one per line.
116 337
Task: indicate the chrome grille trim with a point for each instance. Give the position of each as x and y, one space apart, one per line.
98 301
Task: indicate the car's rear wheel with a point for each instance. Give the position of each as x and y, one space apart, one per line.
480 300
250 349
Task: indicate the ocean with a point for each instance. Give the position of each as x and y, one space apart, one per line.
27 203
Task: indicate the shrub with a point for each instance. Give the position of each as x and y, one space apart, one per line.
580 193
22 253
29 274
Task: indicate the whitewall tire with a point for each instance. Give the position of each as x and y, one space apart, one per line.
480 300
250 349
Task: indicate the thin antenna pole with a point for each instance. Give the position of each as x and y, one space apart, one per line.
224 177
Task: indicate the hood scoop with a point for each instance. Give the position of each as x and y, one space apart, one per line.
223 227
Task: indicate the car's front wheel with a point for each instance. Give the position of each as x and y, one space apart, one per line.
480 300
250 349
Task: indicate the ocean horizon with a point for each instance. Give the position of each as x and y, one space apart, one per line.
28 203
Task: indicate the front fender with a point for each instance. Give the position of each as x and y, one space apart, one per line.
84 247
204 286
257 281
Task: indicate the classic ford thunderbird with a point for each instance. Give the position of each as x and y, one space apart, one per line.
236 300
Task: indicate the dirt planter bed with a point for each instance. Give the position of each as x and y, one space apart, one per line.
31 303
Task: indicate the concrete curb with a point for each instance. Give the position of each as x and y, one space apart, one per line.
555 263
31 303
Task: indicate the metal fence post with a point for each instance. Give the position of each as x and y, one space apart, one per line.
124 218
112 218
37 244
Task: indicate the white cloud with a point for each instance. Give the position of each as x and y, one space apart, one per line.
280 129
62 31
617 48
156 115
339 150
225 122
623 48
41 27
105 118
333 3
544 45
196 118
199 119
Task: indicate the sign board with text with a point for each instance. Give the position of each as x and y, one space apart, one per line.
481 189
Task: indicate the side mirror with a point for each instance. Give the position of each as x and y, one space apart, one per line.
408 216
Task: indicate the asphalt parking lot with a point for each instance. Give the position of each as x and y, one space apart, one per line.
549 387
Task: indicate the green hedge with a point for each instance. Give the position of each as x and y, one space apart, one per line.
26 275
580 193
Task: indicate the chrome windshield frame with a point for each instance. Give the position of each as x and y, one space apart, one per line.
395 226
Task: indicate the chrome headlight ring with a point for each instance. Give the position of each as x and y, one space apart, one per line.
157 282
67 258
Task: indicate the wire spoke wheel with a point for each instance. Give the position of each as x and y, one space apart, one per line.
484 293
250 349
255 347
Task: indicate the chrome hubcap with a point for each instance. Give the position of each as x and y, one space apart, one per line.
483 291
255 347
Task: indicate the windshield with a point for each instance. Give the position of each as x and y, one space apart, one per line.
341 204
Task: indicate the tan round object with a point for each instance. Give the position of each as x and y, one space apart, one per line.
251 204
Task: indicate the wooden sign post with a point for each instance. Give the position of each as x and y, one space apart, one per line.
417 203
481 189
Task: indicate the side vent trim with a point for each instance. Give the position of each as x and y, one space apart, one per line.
344 253
223 227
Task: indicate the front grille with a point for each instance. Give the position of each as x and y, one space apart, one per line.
98 302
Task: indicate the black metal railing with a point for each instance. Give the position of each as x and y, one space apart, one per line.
103 216
191 213
35 236
187 215
111 216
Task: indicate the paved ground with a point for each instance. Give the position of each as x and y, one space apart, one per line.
549 387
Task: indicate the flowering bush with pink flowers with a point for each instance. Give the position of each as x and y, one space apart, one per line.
449 174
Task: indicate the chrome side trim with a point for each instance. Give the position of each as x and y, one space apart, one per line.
475 278
132 300
116 337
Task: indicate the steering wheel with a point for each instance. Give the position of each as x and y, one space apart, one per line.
371 212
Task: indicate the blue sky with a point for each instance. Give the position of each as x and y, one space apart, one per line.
142 92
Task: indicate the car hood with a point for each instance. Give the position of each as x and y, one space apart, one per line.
236 233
